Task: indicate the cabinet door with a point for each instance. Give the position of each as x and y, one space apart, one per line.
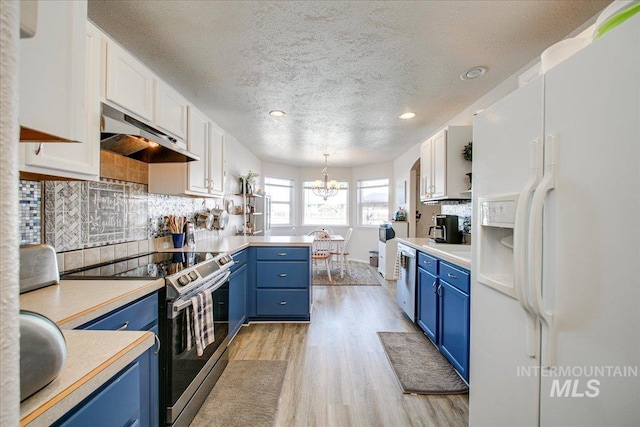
74 160
439 164
454 327
428 304
216 161
52 69
170 112
425 170
129 83
199 128
237 300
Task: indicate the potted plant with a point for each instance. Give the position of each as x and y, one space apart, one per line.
467 151
250 181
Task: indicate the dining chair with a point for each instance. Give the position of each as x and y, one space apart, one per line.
321 249
342 252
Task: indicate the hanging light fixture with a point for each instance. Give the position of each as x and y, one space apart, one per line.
325 188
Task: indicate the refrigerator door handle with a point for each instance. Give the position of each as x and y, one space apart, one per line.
520 284
535 251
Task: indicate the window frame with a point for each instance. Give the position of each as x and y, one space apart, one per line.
308 185
359 204
291 203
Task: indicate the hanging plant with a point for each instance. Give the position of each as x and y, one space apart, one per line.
467 150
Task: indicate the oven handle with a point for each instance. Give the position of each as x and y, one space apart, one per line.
182 303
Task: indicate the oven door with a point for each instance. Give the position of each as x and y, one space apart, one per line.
186 371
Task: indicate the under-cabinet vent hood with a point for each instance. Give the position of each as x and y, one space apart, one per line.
128 136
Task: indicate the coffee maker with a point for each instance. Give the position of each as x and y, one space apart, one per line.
445 229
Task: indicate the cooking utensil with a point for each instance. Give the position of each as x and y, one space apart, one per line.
43 351
220 218
204 220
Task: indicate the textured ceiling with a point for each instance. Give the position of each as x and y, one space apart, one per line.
343 71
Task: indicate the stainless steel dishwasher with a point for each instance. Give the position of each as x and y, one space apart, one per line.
406 285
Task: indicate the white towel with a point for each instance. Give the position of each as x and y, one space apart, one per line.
397 265
202 320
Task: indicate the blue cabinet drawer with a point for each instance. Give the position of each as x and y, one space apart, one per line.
271 274
272 302
428 262
239 259
455 276
117 404
282 253
137 316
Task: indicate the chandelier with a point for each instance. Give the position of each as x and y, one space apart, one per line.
325 188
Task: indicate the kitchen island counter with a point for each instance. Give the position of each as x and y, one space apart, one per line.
459 255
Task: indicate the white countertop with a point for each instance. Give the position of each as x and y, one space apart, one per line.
459 255
93 357
75 302
235 243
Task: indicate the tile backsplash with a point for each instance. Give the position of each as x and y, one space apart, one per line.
89 222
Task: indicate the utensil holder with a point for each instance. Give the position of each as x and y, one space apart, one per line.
178 240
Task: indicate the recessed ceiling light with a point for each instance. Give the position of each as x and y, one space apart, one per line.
473 73
277 113
406 116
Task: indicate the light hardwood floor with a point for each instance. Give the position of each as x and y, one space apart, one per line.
338 373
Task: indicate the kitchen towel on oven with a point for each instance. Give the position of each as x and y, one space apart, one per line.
202 305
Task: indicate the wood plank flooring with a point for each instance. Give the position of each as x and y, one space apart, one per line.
338 372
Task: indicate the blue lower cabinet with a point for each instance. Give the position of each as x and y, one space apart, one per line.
454 327
444 308
140 315
279 284
118 403
237 300
280 303
428 304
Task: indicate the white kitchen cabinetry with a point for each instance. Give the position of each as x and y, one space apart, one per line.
200 178
78 160
170 112
442 168
129 83
52 69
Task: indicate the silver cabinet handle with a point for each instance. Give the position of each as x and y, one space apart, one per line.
282 254
158 343
440 290
282 275
282 303
124 326
434 286
453 276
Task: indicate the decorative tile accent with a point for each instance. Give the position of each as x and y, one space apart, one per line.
30 195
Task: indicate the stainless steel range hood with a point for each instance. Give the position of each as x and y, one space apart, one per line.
128 136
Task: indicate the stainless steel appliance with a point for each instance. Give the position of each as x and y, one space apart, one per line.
406 285
185 378
445 229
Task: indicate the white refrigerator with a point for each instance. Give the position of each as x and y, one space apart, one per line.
555 297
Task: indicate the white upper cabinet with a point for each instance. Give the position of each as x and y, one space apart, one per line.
442 167
199 137
52 69
200 178
216 161
77 160
170 113
129 83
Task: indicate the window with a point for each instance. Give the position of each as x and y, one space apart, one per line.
281 192
331 212
373 201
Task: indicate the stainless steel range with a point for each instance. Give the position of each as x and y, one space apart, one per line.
185 378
